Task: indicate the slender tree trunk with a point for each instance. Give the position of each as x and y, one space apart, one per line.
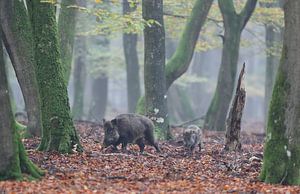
59 132
79 74
14 160
66 29
132 63
281 162
234 24
17 36
216 114
180 61
154 70
99 99
79 71
98 104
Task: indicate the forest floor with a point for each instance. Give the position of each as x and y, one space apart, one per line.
174 171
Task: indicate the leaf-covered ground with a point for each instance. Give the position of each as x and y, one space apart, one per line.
174 171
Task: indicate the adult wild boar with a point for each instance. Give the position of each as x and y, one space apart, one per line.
129 128
192 136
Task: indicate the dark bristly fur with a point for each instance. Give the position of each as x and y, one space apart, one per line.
129 128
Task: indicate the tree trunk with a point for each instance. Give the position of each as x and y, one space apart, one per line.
234 24
79 71
17 37
272 63
182 57
59 132
154 70
66 29
180 60
14 160
79 74
132 63
99 97
233 122
281 162
272 37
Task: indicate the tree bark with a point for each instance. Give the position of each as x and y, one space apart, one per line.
233 123
99 97
59 132
79 71
66 29
132 63
180 61
17 37
79 74
281 162
154 67
272 37
233 24
14 160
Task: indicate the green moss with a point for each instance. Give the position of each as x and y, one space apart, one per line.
140 107
180 60
275 151
20 163
59 132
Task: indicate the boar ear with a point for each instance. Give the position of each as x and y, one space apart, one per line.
114 122
103 120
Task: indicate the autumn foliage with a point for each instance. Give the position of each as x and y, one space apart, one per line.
208 171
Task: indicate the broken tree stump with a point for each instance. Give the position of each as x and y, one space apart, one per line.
233 121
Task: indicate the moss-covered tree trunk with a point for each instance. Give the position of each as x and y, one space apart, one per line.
154 67
66 28
272 37
281 162
132 63
180 61
18 41
59 132
234 24
14 160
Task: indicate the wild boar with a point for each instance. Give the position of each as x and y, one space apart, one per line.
129 128
192 136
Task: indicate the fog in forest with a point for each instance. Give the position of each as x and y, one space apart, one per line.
205 66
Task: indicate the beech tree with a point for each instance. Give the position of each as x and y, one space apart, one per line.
18 40
180 60
59 133
132 63
154 66
234 23
272 37
14 160
281 163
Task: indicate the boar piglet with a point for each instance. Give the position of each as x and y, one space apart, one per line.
192 136
129 128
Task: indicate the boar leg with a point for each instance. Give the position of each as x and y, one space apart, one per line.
124 146
199 147
150 138
141 144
